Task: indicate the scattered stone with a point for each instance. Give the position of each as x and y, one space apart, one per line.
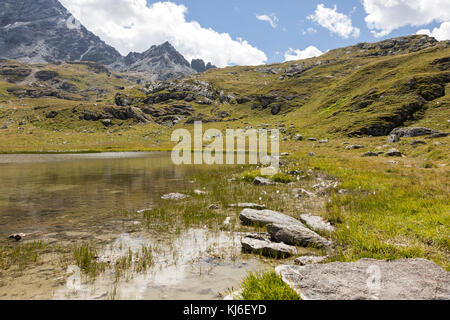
260 181
394 153
324 141
406 279
17 236
213 207
370 154
264 236
393 138
296 172
312 139
298 137
303 261
296 235
248 205
5 126
265 217
144 210
51 114
200 192
354 147
438 135
302 192
311 154
417 142
413 132
268 248
174 196
107 122
284 154
316 223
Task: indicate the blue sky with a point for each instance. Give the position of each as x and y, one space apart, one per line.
238 18
252 32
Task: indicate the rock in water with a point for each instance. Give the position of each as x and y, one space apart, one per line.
268 248
296 235
368 279
174 196
248 205
265 217
316 223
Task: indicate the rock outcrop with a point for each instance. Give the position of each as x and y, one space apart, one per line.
267 248
265 217
296 235
368 279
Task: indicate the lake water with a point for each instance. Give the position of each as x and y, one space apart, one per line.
65 199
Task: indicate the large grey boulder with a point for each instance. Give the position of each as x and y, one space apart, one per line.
368 279
412 132
268 248
296 235
316 223
265 217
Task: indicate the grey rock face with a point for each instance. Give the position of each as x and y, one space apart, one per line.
265 217
316 223
199 65
368 279
296 235
267 248
37 31
412 132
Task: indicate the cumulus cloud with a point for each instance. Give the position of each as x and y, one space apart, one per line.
132 25
272 19
442 33
334 21
297 54
385 16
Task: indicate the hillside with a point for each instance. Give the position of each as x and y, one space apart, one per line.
363 90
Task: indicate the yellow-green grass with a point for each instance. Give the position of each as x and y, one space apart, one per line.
266 286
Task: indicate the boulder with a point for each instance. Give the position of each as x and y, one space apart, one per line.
316 223
248 205
412 132
368 279
438 135
416 142
17 236
370 154
268 248
265 217
298 137
174 196
296 235
394 153
354 147
393 138
260 181
324 141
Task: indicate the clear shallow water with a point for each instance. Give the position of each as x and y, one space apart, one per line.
71 198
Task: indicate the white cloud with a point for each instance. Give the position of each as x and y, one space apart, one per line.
334 21
442 33
272 19
297 54
132 25
310 30
384 16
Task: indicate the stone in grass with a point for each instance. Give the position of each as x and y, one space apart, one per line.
303 261
200 192
268 248
369 279
354 147
213 207
265 217
316 223
393 138
247 205
174 196
260 181
370 154
394 153
297 235
17 236
144 210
